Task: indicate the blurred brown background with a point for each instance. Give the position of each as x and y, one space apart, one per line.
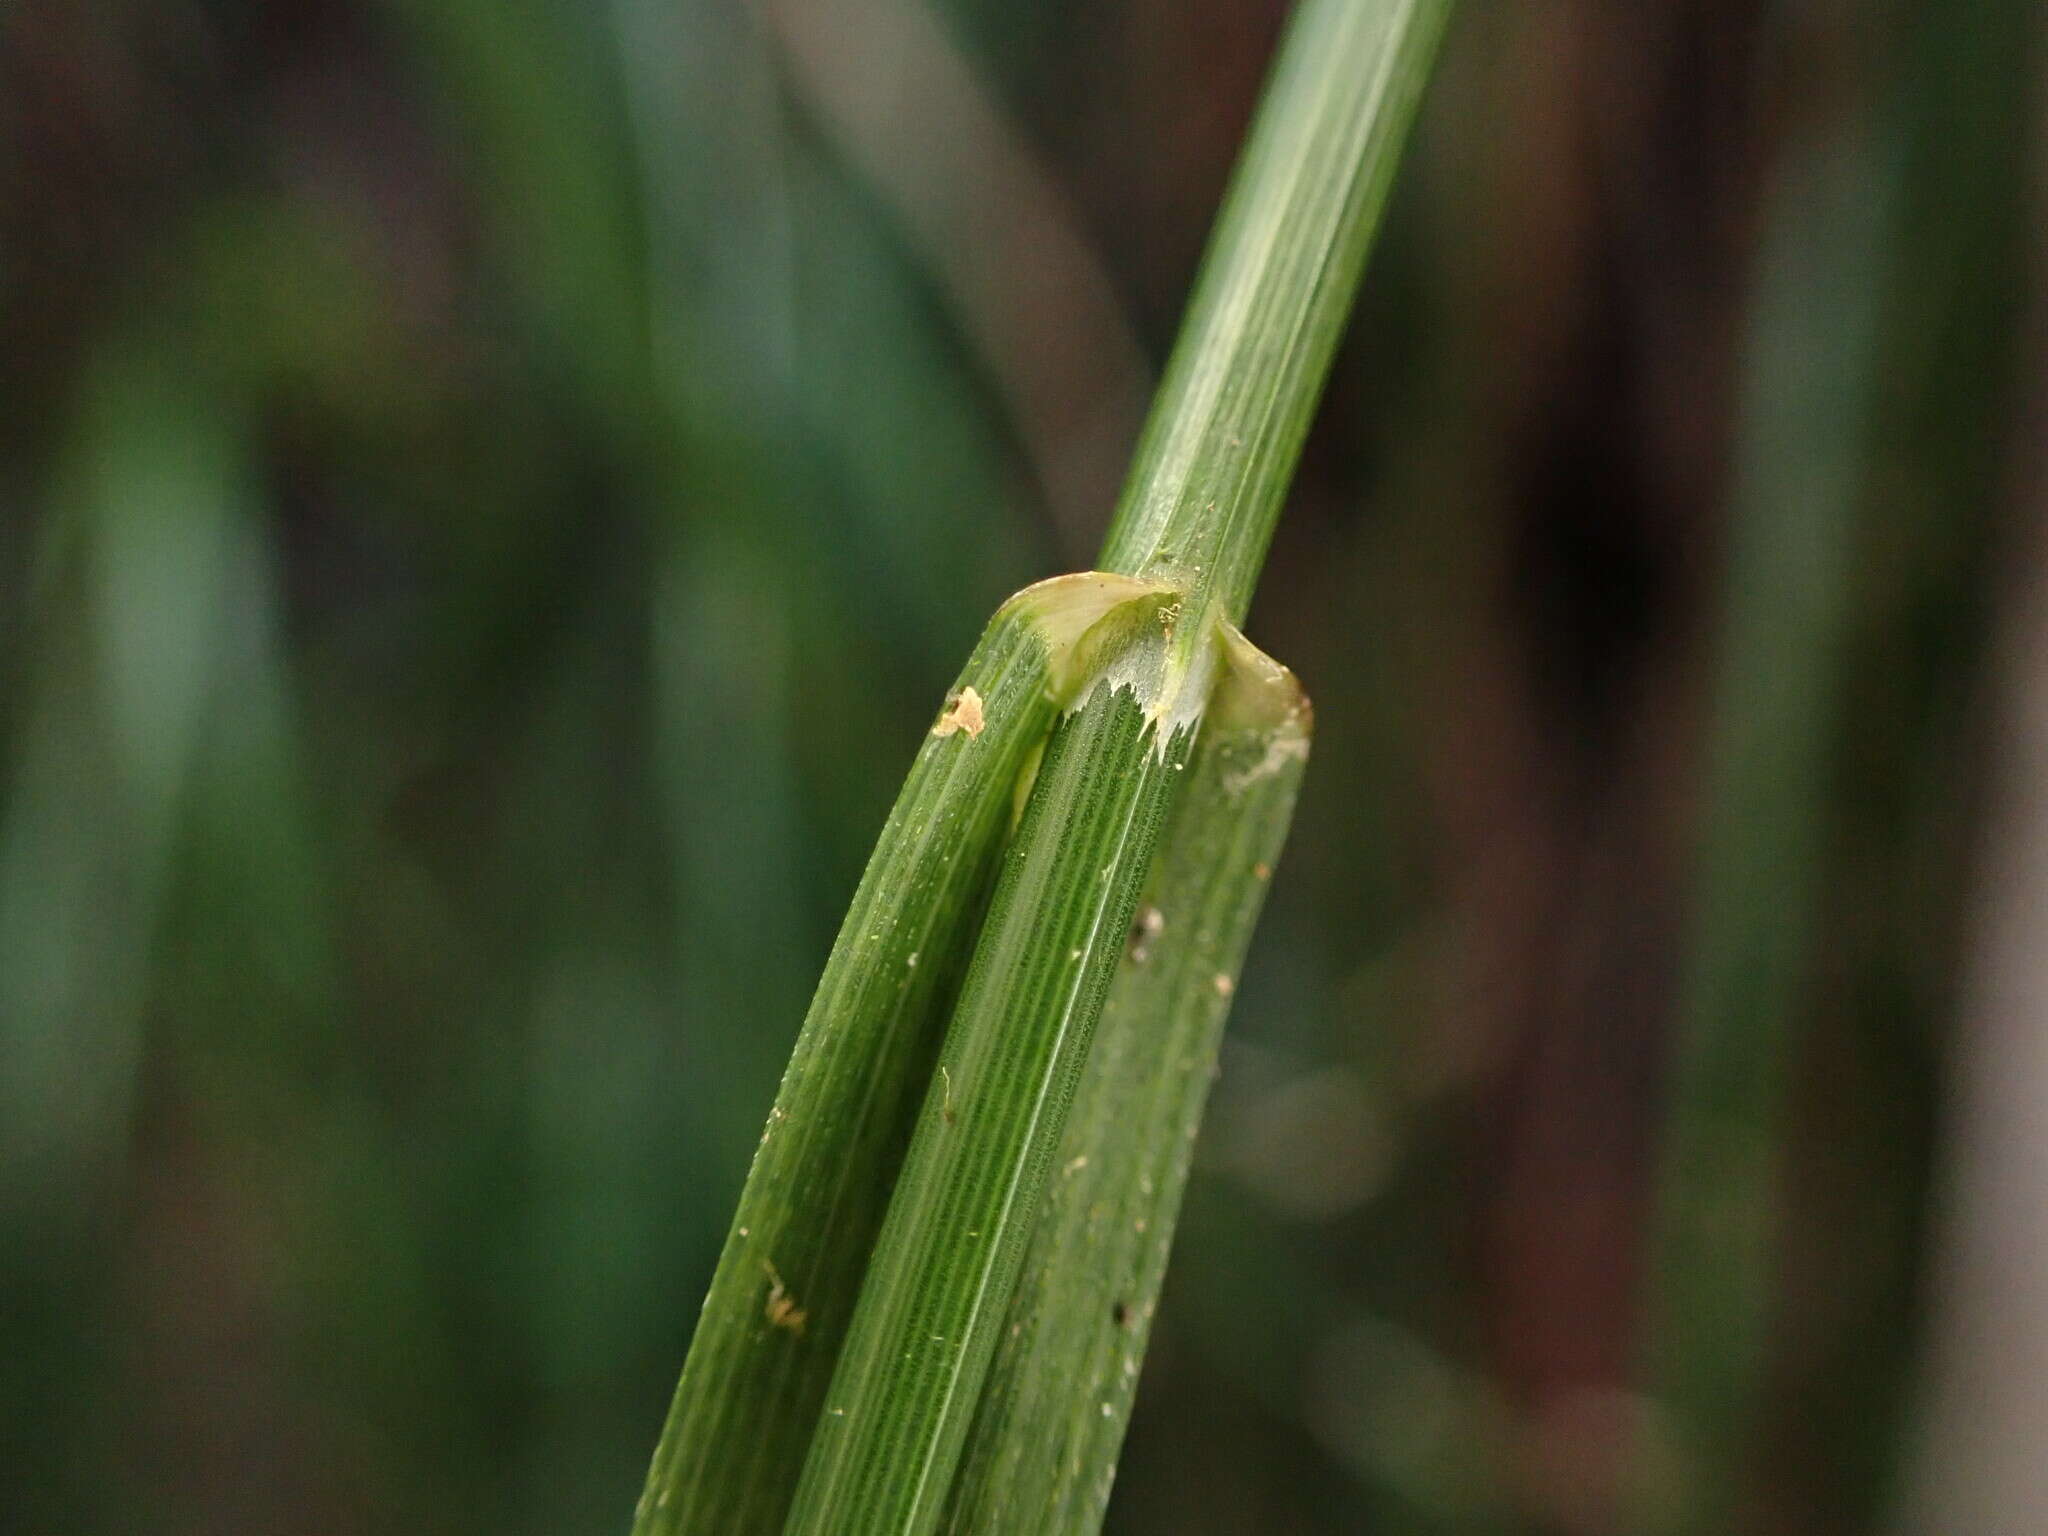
491 494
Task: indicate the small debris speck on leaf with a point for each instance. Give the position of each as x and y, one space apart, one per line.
962 713
782 1310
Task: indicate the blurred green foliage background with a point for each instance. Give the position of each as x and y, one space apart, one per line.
490 497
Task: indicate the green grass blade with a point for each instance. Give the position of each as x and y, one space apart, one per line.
1234 407
786 1281
1043 1448
946 1262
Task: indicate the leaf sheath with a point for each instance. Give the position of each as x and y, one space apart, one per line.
752 1384
1043 1448
946 1262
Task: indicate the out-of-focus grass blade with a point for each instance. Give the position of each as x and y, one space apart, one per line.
946 1260
146 503
1042 1451
791 1268
561 200
1800 463
126 645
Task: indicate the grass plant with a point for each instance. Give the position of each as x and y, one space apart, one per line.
847 1355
